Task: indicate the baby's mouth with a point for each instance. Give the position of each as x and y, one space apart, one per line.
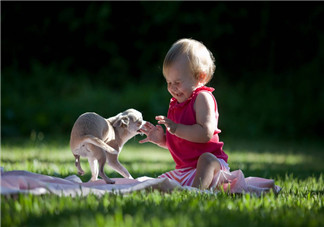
177 94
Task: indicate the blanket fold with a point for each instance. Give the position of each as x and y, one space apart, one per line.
23 182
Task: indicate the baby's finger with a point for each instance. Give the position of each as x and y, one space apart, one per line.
161 122
160 117
148 126
144 140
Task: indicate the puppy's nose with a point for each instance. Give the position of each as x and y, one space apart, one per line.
140 130
143 123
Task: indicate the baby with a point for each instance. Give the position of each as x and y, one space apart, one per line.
191 124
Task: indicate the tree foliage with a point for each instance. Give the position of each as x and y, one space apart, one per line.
60 59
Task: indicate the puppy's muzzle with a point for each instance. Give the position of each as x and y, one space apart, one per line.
142 127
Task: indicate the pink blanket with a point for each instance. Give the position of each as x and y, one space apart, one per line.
15 182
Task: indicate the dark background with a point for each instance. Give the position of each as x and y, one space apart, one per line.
60 59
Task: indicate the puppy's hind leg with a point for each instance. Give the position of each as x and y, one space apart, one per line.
100 159
78 165
93 162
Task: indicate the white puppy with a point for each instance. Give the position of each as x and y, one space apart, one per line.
101 140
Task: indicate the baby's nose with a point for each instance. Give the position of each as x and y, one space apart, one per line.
172 88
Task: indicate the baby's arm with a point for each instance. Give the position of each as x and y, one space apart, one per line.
203 130
155 134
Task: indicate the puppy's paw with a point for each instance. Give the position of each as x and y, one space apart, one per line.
81 173
93 179
109 181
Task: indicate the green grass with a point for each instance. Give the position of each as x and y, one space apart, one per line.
298 168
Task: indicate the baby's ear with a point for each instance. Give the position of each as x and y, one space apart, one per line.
202 77
122 122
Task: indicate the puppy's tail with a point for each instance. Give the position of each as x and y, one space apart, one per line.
98 142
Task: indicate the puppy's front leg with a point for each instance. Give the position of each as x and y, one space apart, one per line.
112 160
78 165
102 174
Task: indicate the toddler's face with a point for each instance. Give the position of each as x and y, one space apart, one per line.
181 82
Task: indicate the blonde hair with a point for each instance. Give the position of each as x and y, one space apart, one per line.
200 59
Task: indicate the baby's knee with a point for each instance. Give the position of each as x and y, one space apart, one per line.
208 159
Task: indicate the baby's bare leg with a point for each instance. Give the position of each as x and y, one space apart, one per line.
207 167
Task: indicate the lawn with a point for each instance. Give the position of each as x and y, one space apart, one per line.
297 167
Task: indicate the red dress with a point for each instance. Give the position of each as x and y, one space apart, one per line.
184 152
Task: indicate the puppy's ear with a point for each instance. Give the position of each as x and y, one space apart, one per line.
124 122
121 122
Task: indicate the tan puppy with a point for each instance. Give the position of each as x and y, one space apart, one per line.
101 140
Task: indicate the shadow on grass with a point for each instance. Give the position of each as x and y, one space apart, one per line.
274 146
144 208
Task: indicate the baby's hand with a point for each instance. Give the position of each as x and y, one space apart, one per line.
169 124
155 134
